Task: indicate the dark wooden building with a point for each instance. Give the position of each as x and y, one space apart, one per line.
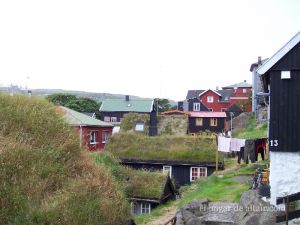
113 111
203 121
183 172
281 78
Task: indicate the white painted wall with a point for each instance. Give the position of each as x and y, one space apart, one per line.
284 174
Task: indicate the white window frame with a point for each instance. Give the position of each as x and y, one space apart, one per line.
139 126
244 90
93 133
106 119
113 119
197 120
196 106
145 206
105 136
210 99
213 124
198 171
165 170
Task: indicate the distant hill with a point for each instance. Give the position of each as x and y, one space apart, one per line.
44 92
93 95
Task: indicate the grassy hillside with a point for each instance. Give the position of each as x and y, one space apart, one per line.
136 183
45 177
252 131
188 148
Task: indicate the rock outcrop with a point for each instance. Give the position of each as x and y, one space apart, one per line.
251 210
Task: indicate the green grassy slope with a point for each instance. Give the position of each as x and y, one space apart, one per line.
45 177
187 148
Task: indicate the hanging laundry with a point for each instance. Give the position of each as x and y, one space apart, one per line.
223 144
260 148
249 153
241 155
236 144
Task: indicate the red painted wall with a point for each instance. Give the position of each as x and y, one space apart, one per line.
216 105
86 131
239 93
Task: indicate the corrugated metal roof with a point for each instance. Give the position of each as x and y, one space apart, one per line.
76 118
121 105
207 114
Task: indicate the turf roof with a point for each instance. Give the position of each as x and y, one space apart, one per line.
170 148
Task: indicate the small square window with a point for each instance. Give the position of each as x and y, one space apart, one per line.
106 119
244 90
139 127
105 135
167 169
113 119
199 122
196 106
93 137
210 99
197 172
145 208
213 122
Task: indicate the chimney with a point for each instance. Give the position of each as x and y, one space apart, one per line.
259 60
217 88
127 98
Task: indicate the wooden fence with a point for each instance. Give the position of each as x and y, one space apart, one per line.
289 215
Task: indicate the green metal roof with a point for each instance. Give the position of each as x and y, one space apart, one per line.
121 105
76 118
241 84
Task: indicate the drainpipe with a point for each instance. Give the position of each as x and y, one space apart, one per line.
80 136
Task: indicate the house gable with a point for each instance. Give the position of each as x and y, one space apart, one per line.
280 54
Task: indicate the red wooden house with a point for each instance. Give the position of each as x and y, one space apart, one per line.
241 93
93 133
219 100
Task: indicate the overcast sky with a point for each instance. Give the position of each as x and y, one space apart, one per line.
154 48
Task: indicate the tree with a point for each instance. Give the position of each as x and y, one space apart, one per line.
162 104
84 105
60 98
72 102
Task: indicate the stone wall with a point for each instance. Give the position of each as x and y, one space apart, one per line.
284 174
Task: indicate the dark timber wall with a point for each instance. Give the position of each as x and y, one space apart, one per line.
284 129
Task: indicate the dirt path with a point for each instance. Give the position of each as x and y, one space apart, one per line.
168 214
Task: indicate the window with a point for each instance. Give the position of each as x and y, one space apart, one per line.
244 90
106 119
134 208
139 126
145 208
210 99
93 137
199 122
105 135
167 169
213 122
197 172
196 106
113 119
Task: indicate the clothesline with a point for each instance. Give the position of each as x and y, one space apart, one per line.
247 149
230 144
